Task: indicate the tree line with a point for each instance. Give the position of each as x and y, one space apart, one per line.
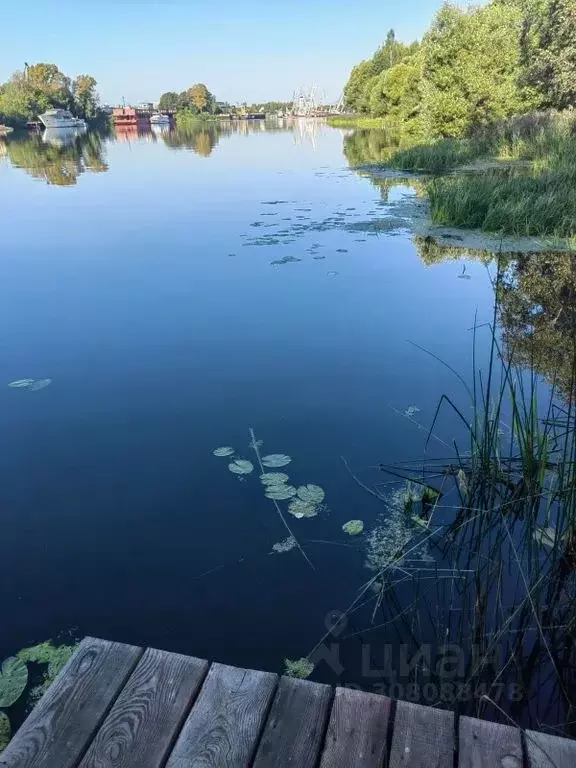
196 100
30 92
474 66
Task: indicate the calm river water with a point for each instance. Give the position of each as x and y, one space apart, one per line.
179 290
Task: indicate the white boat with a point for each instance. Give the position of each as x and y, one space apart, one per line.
60 118
159 119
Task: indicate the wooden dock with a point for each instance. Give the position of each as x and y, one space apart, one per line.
119 706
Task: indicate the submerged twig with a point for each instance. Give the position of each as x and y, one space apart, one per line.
254 445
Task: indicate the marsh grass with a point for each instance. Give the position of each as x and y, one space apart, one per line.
530 192
439 156
500 525
355 121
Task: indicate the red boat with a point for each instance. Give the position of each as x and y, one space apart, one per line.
131 117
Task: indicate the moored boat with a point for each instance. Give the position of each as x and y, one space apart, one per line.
159 119
60 118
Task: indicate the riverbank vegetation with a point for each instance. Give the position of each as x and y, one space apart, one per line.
473 67
39 87
530 191
355 121
487 83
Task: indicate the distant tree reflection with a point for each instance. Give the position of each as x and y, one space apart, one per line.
58 157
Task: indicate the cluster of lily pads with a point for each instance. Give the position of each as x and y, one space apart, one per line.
32 385
304 501
15 677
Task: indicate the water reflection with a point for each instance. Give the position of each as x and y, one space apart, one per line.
203 136
58 157
537 307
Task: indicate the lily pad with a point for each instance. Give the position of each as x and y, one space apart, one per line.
5 731
274 460
353 527
300 668
226 450
280 492
13 681
273 478
241 467
39 384
285 545
300 509
21 383
313 494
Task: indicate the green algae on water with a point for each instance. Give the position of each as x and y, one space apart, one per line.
353 527
299 668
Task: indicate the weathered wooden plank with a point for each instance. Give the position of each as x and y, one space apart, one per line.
225 723
357 731
481 743
63 723
294 731
143 724
423 737
545 751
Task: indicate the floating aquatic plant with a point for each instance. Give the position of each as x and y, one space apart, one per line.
280 492
285 545
353 527
283 461
273 478
284 260
275 460
39 384
5 731
53 657
299 509
313 494
21 383
13 681
32 385
300 668
224 451
241 467
388 539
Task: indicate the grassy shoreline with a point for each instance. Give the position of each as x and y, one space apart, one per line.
356 121
523 184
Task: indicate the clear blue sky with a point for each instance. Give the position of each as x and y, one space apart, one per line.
243 50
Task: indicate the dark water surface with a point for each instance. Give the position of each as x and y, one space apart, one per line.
137 274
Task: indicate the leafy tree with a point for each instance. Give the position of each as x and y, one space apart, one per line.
169 100
17 104
392 52
85 96
396 94
200 97
43 86
363 80
50 86
354 90
550 52
472 68
185 103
